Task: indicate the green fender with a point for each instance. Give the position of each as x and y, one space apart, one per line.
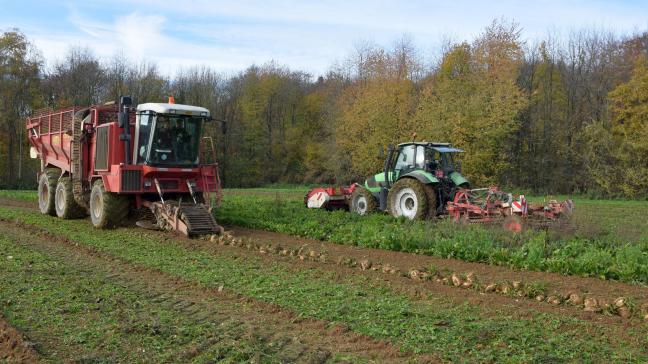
458 179
374 182
423 176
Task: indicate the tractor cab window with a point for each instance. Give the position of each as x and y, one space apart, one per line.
405 158
433 159
410 157
171 140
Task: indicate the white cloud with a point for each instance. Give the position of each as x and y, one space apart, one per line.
307 35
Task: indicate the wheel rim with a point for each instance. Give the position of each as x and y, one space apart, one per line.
43 195
97 205
361 205
407 203
60 199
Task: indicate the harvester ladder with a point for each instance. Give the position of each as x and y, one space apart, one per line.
76 161
210 177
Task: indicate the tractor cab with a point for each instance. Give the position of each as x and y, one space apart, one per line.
437 159
168 135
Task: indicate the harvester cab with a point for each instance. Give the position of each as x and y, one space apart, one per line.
111 161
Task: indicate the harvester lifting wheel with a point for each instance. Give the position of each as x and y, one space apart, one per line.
66 206
46 188
363 202
408 198
107 209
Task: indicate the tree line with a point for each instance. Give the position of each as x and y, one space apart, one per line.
562 115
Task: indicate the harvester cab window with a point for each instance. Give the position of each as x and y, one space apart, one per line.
144 132
175 140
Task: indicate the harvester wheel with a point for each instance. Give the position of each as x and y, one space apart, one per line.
363 202
408 198
107 209
66 206
46 191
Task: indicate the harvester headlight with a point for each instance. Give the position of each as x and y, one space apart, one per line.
204 113
172 111
147 183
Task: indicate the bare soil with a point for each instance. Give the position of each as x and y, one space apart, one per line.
558 284
14 347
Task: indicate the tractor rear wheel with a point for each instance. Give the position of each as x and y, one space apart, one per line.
407 198
363 202
107 209
46 191
431 194
66 206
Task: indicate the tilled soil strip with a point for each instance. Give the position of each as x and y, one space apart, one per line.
561 286
14 348
305 340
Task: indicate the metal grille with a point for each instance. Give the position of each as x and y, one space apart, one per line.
130 180
101 152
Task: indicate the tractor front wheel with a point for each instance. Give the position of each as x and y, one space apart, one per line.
407 198
107 209
66 206
46 191
363 202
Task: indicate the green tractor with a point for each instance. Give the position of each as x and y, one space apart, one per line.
417 181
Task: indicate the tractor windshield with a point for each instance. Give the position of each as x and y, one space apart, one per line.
171 140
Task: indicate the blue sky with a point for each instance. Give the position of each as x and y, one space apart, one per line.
306 35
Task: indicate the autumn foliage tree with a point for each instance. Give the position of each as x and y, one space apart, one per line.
566 114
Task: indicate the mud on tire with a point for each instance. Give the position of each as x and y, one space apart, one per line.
107 209
65 204
431 195
47 191
363 202
407 198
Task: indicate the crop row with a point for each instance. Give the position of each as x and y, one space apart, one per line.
533 250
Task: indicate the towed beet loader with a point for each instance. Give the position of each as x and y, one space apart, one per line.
423 180
115 161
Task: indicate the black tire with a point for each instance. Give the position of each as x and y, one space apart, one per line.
47 191
66 206
363 202
407 198
107 209
431 194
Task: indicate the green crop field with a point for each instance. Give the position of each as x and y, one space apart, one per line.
457 333
604 238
